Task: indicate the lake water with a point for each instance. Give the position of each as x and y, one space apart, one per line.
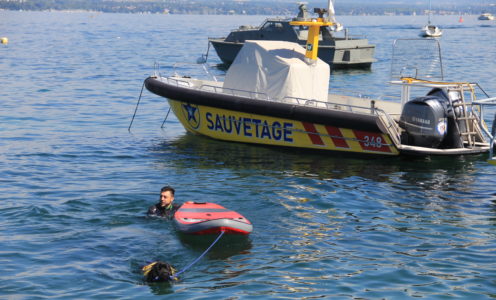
75 184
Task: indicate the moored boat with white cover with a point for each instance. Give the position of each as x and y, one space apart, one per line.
275 93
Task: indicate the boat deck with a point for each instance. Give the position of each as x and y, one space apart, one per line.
334 101
391 108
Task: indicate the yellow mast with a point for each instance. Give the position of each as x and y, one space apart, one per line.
314 25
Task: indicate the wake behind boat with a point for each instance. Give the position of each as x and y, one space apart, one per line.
276 93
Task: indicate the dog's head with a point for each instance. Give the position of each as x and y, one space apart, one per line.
159 271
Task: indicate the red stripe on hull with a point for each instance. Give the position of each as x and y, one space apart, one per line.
337 137
313 134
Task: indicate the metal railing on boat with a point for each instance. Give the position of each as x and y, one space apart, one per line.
190 83
492 135
389 125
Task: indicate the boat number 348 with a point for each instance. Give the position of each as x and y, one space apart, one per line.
372 141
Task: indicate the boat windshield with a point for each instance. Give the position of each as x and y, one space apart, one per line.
273 26
302 32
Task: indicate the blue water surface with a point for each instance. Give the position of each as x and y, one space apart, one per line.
75 184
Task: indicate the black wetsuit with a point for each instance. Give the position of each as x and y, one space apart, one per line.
161 211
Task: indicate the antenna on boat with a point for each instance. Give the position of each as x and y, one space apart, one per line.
429 14
331 15
314 25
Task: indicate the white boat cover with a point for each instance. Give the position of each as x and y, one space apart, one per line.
279 70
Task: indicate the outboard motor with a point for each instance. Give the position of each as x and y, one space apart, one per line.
431 121
424 120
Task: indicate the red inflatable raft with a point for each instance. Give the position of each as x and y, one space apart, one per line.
209 218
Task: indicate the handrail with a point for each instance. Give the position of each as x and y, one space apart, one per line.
262 96
391 126
218 89
493 139
328 105
480 117
204 66
487 101
176 82
410 81
156 69
401 60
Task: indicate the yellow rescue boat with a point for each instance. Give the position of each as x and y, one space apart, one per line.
276 93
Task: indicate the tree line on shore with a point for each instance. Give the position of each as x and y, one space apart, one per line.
219 7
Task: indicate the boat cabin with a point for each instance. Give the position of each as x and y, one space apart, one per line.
280 30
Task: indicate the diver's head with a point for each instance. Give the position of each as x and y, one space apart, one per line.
166 196
159 272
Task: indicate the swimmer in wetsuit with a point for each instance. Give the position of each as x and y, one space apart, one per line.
165 207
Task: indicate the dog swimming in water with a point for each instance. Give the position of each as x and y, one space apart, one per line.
159 271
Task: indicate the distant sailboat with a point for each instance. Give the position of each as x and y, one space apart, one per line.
430 30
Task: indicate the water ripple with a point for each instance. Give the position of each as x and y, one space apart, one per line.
75 184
